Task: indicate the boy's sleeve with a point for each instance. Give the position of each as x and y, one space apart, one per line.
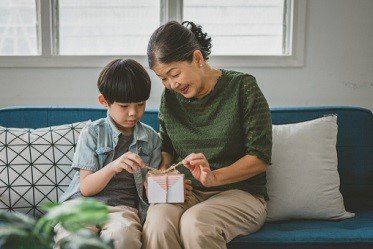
156 158
257 123
85 156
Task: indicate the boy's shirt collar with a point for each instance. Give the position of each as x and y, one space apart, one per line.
139 133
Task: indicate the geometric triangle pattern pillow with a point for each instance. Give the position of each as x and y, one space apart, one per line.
35 165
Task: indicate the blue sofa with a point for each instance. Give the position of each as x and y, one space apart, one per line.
355 158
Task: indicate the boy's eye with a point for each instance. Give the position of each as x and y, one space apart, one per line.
124 106
141 104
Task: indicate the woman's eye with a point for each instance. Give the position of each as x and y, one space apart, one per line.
175 75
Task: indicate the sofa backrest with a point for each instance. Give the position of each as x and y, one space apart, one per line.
354 145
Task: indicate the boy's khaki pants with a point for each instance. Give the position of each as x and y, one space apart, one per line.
123 228
206 220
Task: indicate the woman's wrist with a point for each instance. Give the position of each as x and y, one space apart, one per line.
215 178
220 177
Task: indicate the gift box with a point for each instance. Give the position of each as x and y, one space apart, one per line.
165 188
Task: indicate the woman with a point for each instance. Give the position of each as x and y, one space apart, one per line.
218 123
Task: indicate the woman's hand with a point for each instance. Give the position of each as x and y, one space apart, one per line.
200 168
128 161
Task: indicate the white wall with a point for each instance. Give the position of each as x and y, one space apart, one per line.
338 67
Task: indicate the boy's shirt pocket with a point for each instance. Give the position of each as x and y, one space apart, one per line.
104 155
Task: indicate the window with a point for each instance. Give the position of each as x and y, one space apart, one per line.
88 33
18 28
101 27
241 27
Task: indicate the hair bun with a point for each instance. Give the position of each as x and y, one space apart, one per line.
202 38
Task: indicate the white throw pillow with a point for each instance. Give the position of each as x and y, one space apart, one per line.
303 181
35 165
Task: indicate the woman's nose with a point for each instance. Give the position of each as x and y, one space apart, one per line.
174 85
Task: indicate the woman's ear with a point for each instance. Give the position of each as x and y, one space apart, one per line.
198 58
102 100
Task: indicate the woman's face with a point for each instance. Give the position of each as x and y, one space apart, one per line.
182 77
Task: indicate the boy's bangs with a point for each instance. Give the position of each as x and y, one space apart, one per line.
133 91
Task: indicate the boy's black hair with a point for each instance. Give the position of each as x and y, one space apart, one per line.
124 81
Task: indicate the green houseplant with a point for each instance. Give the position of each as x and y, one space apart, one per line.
21 231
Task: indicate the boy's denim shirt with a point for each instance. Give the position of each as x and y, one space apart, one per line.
96 147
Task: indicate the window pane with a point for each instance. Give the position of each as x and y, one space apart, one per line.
106 27
241 27
18 27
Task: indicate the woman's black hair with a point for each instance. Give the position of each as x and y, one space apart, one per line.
176 42
124 81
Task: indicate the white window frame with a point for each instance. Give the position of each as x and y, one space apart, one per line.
170 10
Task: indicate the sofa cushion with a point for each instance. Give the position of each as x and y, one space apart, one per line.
350 231
35 165
303 181
354 148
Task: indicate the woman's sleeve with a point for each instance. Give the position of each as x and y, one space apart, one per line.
166 141
256 120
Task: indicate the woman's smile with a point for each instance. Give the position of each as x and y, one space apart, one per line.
185 89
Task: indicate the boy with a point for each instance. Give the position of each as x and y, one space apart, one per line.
111 153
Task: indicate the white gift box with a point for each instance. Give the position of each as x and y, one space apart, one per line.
166 188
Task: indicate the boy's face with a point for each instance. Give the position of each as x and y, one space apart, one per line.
125 115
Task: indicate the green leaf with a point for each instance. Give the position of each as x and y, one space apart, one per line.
44 230
12 231
14 237
81 213
22 232
16 219
49 205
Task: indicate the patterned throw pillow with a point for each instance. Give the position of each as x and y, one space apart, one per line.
35 165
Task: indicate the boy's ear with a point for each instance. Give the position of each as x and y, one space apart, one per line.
102 100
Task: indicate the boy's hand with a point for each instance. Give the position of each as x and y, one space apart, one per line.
128 161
